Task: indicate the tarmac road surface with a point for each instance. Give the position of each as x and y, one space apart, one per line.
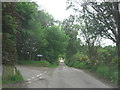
60 77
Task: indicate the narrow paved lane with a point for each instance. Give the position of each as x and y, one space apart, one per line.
66 77
61 77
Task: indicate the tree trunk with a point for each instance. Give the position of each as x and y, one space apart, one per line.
117 20
30 49
119 49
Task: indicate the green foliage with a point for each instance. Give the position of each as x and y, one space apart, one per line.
9 50
45 18
77 56
114 60
80 65
9 21
57 42
84 59
27 12
107 54
38 34
9 29
34 32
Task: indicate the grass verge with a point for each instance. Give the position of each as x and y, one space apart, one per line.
9 76
109 72
37 63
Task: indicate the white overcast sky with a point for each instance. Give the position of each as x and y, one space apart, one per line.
57 8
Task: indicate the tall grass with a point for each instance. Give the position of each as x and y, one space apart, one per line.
9 76
108 71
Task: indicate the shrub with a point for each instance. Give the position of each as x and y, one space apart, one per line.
71 63
76 64
114 60
82 65
84 58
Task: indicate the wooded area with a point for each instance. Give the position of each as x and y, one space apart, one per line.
28 31
94 21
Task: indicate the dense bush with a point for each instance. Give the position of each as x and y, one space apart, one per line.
114 60
107 54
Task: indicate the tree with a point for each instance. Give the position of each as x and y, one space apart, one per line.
9 29
24 37
72 31
85 25
57 42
